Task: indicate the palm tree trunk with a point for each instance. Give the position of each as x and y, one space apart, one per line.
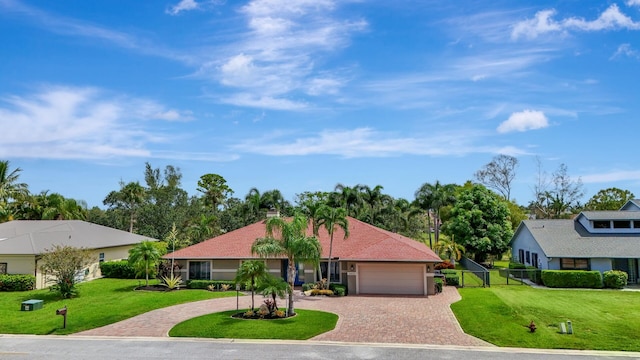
131 222
429 224
329 262
292 277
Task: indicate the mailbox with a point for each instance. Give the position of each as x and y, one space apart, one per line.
63 312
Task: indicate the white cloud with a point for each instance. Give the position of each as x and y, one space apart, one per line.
183 5
626 50
367 142
633 2
611 177
263 102
79 122
543 22
523 121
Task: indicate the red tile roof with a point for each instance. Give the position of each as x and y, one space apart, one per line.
365 243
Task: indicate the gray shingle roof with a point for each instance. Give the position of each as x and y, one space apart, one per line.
612 215
32 237
568 238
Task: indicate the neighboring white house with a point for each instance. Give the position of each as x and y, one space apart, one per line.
594 240
22 243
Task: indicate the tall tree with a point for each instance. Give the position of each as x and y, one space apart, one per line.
435 197
288 239
129 198
373 198
480 222
349 198
499 174
215 190
560 197
10 188
251 272
331 218
144 256
609 199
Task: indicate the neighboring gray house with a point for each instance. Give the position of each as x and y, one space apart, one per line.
594 240
22 243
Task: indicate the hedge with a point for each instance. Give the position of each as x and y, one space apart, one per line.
204 284
17 282
338 289
117 270
615 279
572 279
439 283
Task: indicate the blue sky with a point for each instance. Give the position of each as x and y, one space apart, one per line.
302 95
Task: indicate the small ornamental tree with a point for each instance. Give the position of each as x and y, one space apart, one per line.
60 264
145 257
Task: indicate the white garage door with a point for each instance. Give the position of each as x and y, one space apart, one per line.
391 279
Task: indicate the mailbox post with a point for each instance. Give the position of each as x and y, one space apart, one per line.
63 312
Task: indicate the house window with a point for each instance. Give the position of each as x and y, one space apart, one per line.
199 270
3 268
528 258
335 270
574 264
534 259
521 256
622 224
636 224
601 224
101 257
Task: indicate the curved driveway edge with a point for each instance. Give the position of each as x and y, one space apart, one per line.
369 319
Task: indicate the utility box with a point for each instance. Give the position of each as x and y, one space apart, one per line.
31 305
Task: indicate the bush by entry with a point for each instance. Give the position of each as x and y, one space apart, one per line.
305 325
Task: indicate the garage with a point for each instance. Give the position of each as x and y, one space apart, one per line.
401 279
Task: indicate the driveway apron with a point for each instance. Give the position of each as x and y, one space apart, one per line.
374 319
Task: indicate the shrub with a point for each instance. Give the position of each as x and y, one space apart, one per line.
447 271
572 279
308 286
17 282
315 292
338 289
517 265
444 265
204 284
438 283
615 279
452 279
117 270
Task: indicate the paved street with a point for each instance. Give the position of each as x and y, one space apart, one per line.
76 347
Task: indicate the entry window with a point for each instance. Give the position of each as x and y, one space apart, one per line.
528 258
335 270
199 270
3 268
574 264
521 256
534 259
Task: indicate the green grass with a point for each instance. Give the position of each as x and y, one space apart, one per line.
602 320
100 302
305 325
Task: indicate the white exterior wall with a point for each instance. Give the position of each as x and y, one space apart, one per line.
601 264
526 242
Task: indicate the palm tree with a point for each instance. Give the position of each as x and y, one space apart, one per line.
251 271
349 198
145 256
434 197
373 198
253 202
450 249
10 188
274 287
331 218
288 239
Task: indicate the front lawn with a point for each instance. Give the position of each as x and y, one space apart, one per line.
305 325
100 302
602 319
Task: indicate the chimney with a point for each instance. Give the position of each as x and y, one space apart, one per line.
273 213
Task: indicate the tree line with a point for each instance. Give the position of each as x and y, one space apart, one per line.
477 217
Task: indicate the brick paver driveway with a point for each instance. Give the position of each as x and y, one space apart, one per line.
376 319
